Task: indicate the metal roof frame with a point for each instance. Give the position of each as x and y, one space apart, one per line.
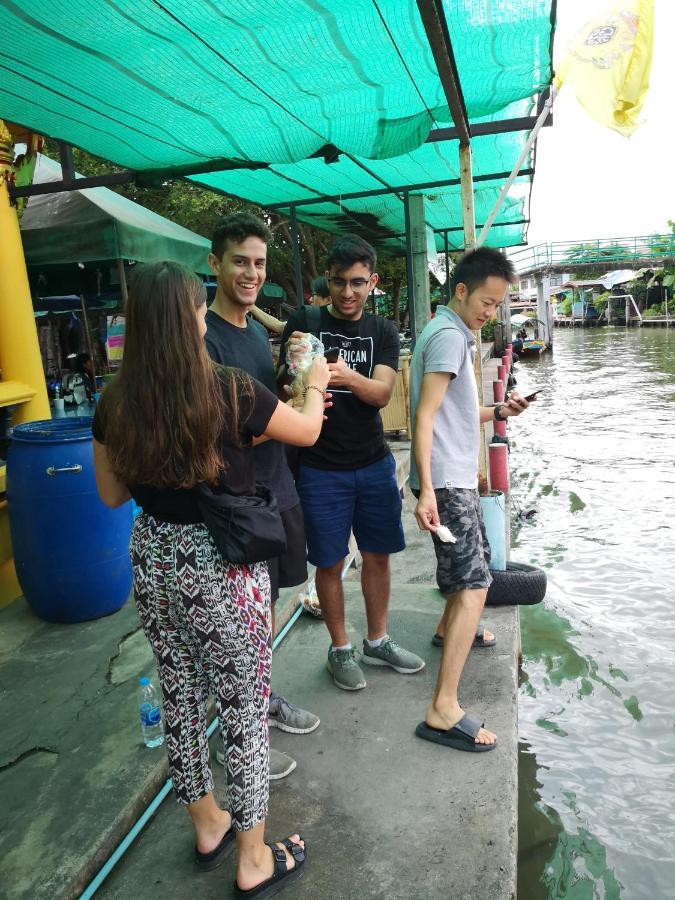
403 189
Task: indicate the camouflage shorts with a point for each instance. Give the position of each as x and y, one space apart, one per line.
463 565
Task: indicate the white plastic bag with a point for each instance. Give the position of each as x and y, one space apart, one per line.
299 360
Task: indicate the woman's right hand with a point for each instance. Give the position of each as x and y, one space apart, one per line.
318 373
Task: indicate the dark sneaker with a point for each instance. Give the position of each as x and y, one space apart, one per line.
281 764
345 670
287 717
390 654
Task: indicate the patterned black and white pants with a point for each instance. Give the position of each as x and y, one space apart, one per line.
209 625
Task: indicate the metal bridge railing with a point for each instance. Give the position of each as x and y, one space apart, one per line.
656 248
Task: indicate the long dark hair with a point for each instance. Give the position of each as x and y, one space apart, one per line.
165 412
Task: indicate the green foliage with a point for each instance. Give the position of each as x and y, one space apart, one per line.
565 307
198 209
600 301
181 201
487 332
658 310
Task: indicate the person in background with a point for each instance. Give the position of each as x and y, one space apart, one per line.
170 421
320 292
348 481
270 322
444 477
238 260
79 386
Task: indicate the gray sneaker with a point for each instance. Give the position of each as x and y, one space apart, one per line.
281 764
287 717
390 654
345 670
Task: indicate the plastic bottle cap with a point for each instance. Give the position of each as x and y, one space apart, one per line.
143 681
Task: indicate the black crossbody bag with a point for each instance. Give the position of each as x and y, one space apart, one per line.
245 529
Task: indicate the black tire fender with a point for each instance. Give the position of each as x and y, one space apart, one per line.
519 585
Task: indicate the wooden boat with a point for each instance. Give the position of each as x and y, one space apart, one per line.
532 347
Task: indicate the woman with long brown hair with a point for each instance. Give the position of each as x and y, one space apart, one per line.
172 421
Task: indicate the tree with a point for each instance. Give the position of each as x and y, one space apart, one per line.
198 208
184 202
393 275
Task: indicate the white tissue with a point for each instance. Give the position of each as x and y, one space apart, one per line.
444 534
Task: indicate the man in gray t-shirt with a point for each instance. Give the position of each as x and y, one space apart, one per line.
446 420
446 345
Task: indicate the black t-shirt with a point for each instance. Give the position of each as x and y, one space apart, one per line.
249 349
180 504
352 435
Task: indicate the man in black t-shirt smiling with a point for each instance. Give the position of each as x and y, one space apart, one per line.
238 260
347 480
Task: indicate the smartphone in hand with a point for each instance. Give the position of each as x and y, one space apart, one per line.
533 396
332 355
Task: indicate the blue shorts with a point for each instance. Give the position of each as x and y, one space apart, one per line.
367 501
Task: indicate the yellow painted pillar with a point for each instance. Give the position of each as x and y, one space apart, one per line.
20 359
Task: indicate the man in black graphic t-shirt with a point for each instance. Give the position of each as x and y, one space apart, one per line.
238 260
347 480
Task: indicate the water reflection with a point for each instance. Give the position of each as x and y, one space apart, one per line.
596 463
576 862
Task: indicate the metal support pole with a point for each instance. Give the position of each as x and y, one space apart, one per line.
514 174
297 263
123 282
420 262
87 334
543 293
446 246
409 269
468 215
469 221
666 307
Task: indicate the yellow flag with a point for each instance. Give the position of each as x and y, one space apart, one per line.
608 64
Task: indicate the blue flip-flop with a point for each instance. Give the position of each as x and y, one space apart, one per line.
478 641
461 736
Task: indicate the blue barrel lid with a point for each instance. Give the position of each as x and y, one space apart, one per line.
54 431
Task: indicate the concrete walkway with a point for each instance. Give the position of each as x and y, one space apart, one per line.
384 814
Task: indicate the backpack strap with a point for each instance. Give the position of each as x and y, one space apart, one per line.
313 319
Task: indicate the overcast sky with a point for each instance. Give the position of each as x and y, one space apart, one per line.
591 182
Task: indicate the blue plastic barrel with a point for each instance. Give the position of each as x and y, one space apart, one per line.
494 516
71 552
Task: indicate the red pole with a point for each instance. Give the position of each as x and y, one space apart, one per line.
501 373
498 394
499 468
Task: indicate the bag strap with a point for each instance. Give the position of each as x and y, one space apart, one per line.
313 319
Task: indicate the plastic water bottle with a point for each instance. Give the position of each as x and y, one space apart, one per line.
151 714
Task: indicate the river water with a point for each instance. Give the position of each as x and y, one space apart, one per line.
596 459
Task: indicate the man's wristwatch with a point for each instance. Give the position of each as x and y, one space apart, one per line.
498 416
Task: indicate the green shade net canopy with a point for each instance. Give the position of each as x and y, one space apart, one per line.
96 224
285 101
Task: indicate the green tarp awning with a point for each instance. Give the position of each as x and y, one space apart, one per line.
96 224
229 88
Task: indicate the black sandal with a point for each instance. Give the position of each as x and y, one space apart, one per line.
211 860
282 876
